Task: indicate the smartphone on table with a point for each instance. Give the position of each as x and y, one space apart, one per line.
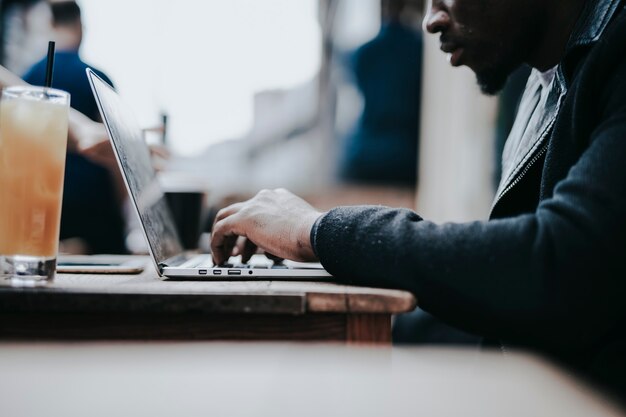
101 264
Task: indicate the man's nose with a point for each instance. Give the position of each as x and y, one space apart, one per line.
437 18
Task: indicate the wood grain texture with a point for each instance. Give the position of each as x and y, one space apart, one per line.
368 329
135 307
109 326
146 292
33 301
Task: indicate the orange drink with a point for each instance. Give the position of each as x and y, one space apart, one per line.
33 140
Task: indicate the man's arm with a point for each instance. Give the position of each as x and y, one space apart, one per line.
541 279
84 136
83 132
7 78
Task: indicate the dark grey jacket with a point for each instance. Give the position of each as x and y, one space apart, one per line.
548 270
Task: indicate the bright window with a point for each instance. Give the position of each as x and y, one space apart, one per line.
201 61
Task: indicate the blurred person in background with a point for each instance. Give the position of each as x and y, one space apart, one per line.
383 145
91 205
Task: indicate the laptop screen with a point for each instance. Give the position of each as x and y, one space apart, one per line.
134 159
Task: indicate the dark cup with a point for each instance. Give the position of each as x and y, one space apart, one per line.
186 208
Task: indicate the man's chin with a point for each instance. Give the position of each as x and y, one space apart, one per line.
491 82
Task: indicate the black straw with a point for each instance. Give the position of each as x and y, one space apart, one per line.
50 65
164 119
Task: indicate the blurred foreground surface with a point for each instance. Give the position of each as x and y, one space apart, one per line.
163 379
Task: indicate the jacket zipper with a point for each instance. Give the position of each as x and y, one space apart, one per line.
532 162
538 155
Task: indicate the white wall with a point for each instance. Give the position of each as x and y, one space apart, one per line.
457 142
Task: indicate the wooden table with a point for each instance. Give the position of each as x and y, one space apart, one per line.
284 379
99 307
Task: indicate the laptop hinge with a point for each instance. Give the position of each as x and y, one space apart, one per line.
175 260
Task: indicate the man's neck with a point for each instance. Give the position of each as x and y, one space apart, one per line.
561 21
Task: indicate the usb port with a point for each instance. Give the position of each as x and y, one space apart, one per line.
234 272
217 272
202 272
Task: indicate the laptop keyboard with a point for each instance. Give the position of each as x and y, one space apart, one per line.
251 266
234 263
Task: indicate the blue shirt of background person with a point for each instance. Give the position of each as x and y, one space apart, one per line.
383 146
90 208
69 75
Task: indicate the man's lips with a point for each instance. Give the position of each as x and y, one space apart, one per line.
454 51
449 47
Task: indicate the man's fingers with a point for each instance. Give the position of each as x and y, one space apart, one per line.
276 221
224 249
227 212
249 248
276 259
223 240
238 249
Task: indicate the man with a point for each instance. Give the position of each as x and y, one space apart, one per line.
90 192
546 272
69 74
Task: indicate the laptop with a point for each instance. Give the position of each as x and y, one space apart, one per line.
133 157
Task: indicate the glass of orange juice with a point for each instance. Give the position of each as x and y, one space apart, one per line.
33 141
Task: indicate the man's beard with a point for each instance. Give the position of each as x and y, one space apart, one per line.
492 81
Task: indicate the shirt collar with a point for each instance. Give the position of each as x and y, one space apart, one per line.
546 78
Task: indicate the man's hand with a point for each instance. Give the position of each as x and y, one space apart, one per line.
84 132
277 222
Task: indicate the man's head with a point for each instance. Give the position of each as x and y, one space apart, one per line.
494 37
67 23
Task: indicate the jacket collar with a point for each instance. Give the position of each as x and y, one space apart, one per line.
593 20
526 142
589 28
